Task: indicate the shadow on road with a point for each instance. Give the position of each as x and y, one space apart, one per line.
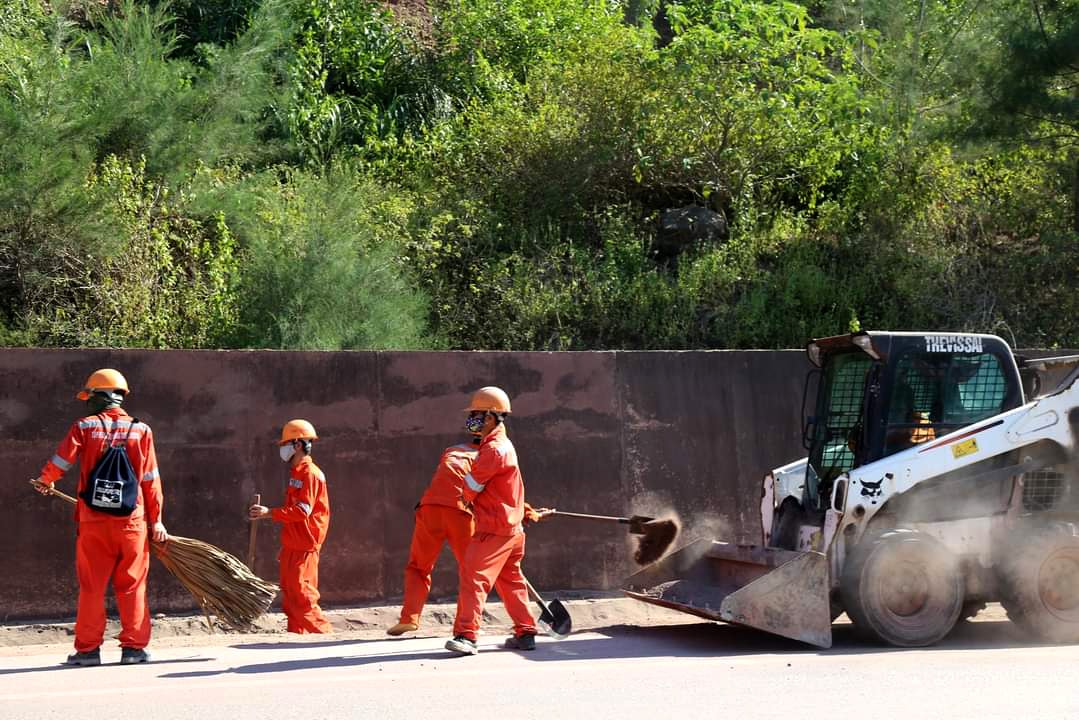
318 663
719 641
701 640
286 645
58 666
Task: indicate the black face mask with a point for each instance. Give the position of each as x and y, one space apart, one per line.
100 402
474 423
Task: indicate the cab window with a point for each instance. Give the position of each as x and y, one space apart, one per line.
935 393
839 417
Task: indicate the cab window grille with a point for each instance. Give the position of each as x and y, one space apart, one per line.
846 388
935 393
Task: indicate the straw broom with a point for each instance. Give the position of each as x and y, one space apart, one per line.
218 581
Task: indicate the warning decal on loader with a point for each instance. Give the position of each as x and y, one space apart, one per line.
967 447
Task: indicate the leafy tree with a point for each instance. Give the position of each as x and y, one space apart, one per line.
360 81
323 264
743 112
308 173
164 283
1030 85
202 24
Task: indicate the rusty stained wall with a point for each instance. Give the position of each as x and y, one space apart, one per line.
596 432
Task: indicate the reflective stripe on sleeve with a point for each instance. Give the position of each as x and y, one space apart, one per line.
473 485
305 507
60 463
152 475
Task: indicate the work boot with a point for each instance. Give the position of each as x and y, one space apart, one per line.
521 642
133 656
401 628
462 646
84 659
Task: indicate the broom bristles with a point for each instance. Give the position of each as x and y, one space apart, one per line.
656 537
218 581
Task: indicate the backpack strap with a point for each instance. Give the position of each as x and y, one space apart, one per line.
105 429
130 427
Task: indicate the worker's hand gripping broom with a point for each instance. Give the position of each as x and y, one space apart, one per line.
219 582
656 535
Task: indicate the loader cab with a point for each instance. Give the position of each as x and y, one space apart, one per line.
877 394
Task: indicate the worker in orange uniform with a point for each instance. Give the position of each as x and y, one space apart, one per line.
496 491
304 518
119 495
442 516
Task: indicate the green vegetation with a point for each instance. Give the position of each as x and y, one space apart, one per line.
501 174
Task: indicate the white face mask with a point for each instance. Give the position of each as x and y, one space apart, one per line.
287 451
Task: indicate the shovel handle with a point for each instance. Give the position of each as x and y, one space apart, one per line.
536 596
53 491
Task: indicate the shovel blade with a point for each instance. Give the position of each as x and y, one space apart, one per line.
555 620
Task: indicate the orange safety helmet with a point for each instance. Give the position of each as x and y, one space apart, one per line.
104 379
297 430
490 398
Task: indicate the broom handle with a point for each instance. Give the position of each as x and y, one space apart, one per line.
256 499
53 491
583 516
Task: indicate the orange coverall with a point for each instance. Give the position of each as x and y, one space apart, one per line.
304 518
111 547
441 517
493 558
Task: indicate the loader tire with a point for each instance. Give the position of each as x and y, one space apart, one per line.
1039 582
902 587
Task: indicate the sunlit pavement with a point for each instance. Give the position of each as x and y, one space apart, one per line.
685 671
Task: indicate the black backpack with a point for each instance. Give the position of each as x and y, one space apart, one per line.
112 487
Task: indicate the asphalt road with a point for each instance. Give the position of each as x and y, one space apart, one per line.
658 673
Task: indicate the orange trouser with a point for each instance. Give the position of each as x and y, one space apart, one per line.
113 550
299 592
435 525
493 560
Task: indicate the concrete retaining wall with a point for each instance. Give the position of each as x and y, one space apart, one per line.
601 432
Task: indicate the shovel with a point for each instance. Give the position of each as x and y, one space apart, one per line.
554 618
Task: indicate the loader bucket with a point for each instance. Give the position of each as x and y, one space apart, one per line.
779 591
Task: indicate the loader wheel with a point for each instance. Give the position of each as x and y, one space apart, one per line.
1039 583
903 588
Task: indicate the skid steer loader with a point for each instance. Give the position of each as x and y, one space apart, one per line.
932 486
